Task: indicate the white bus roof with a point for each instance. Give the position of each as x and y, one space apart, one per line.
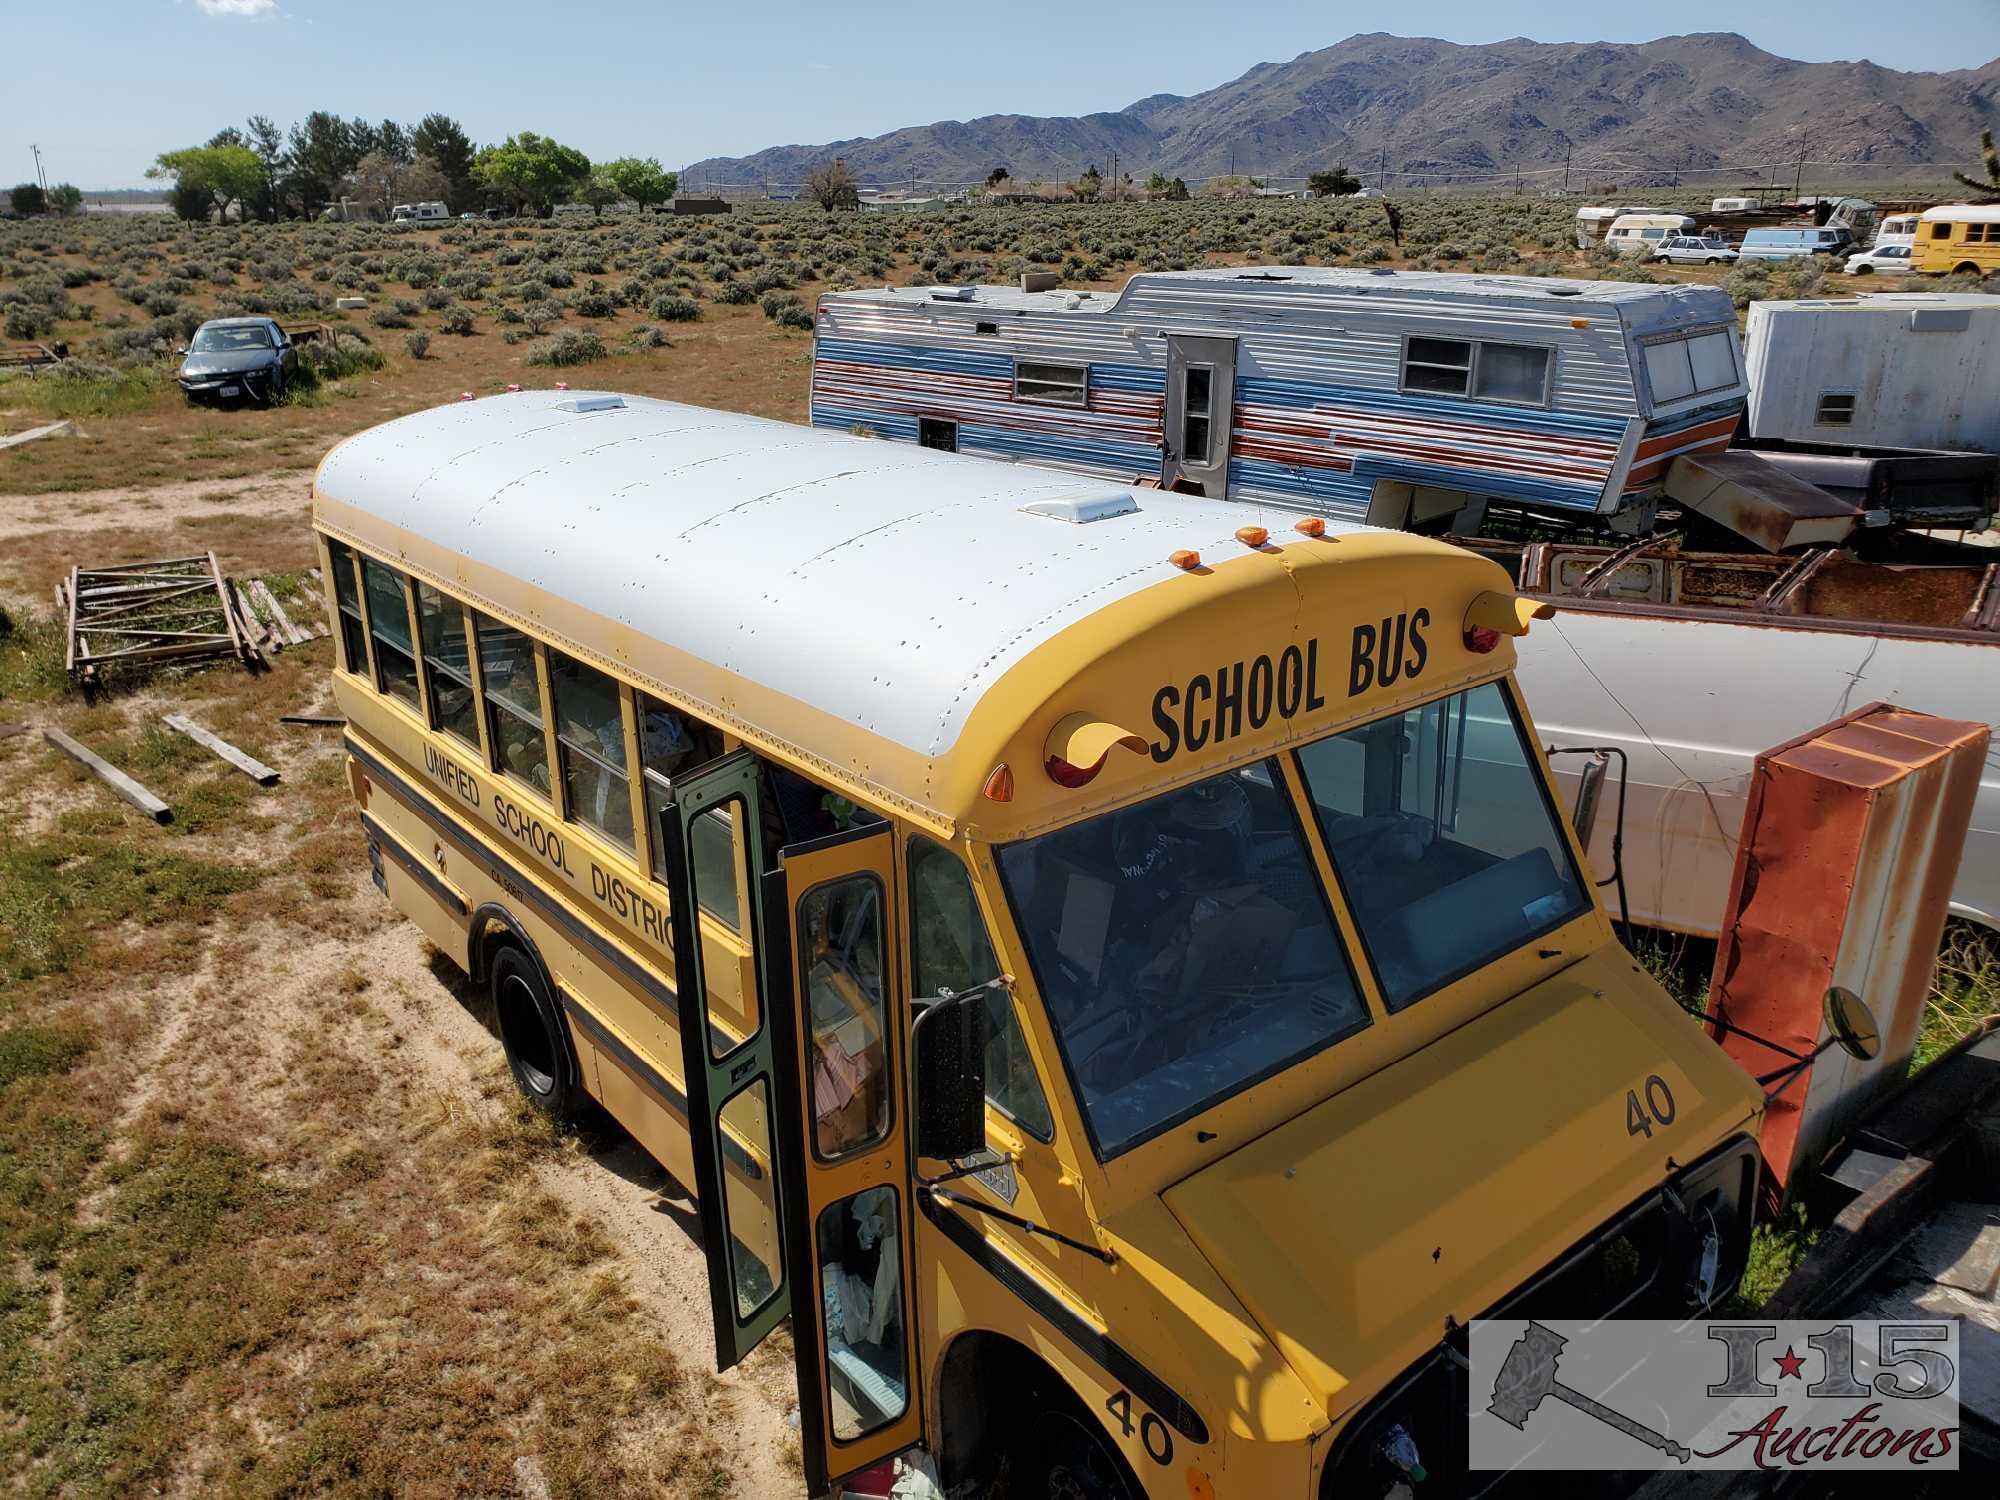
880 583
1963 213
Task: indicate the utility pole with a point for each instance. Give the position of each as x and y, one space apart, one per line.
1382 173
1568 152
1798 182
40 176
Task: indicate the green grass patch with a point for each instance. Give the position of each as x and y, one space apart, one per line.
1776 1248
157 1295
1965 993
32 1050
73 389
58 895
31 658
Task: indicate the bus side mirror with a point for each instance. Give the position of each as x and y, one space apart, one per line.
949 1044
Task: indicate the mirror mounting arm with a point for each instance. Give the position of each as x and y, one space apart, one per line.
972 1205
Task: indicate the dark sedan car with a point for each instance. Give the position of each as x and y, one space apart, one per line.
233 358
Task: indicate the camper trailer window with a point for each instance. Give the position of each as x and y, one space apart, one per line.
1443 366
1836 409
1512 372
1062 384
1682 367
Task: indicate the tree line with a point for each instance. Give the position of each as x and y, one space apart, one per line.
262 172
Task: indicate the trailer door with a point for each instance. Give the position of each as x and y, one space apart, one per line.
1201 384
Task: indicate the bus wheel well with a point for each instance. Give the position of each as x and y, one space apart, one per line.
983 1418
1965 268
494 928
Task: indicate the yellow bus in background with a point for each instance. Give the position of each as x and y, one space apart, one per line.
1117 979
1958 237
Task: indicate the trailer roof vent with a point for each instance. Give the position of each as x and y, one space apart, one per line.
952 294
1564 291
581 404
1262 276
1381 271
1081 510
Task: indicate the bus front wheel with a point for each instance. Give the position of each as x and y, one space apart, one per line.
535 1036
1074 1463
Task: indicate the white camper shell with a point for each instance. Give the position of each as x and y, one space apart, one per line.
419 213
1632 233
1903 370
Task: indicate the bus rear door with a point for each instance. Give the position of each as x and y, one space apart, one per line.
800 1127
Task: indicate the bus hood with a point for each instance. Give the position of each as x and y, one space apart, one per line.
1438 1185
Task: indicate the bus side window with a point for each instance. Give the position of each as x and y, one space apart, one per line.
590 738
949 949
447 664
389 628
672 744
353 637
513 704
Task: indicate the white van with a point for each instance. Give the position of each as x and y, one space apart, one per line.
1632 233
1897 229
419 213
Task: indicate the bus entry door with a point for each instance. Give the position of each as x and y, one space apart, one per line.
844 1122
728 1055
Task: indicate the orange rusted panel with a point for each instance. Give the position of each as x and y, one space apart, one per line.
1851 839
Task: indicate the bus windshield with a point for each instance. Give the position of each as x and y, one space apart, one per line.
1184 949
1444 839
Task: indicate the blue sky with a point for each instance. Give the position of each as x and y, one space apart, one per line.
123 80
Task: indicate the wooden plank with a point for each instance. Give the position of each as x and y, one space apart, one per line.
317 721
243 649
268 601
8 731
259 631
111 776
51 430
249 765
69 635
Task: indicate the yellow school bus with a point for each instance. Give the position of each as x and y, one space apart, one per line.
1961 237
1117 979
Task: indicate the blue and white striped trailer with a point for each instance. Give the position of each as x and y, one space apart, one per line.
1389 396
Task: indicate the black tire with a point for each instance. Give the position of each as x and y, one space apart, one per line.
535 1037
1864 270
1716 260
1069 1461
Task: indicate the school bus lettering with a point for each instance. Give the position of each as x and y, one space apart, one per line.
1381 656
527 829
451 775
1215 708
612 890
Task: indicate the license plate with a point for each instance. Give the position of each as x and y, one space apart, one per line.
231 390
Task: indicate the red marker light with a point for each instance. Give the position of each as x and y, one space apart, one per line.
1310 526
1479 639
999 784
1186 558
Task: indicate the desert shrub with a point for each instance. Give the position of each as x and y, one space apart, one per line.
646 336
419 344
538 315
593 302
457 320
335 359
573 346
770 279
28 320
673 309
733 293
389 317
437 298
786 310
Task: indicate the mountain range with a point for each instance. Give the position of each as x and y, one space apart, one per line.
1416 104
